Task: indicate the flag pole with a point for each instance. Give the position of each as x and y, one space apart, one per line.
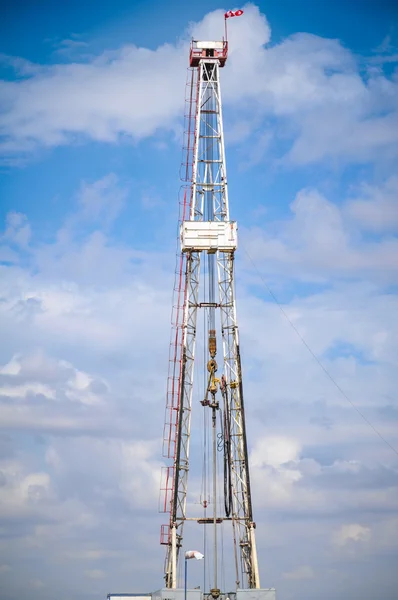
228 14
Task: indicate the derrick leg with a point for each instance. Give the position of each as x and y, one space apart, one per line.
240 480
181 461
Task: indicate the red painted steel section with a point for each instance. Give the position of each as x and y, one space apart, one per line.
179 299
197 54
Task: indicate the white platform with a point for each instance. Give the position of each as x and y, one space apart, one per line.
206 45
209 235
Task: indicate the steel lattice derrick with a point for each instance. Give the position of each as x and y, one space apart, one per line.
209 232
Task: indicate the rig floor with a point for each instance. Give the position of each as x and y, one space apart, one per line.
195 594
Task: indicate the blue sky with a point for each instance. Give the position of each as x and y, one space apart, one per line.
91 120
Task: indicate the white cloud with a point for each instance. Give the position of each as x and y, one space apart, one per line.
17 230
30 389
304 572
339 134
274 451
274 487
21 376
13 367
43 394
317 243
312 85
23 493
352 532
376 208
101 100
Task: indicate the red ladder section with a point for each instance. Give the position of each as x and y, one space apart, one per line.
177 318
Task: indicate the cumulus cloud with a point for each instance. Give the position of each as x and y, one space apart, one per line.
317 242
23 493
273 469
114 95
81 374
312 86
274 452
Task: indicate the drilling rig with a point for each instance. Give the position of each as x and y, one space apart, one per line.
205 289
204 322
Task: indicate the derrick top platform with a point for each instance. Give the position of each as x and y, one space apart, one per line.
210 51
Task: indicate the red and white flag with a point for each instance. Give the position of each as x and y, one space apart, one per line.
231 13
